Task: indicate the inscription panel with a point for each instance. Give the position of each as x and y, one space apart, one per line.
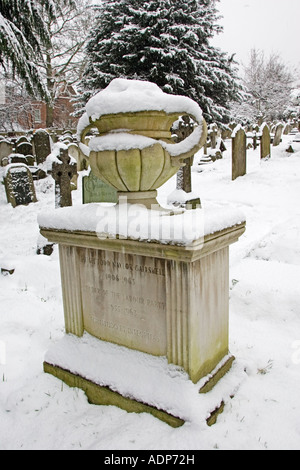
124 299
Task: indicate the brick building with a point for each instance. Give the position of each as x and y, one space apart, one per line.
62 111
21 113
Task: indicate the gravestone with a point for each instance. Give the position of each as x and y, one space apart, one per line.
24 148
296 137
42 145
290 149
19 185
265 142
254 139
6 148
63 171
75 152
278 133
17 158
30 160
44 247
184 176
37 173
95 190
140 287
21 140
239 153
213 134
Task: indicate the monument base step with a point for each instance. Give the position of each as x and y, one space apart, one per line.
146 385
100 395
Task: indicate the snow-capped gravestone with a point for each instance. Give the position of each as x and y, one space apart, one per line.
265 141
24 148
19 185
239 152
81 159
42 145
278 134
213 134
182 196
64 168
146 292
6 148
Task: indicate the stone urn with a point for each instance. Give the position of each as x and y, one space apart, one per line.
133 150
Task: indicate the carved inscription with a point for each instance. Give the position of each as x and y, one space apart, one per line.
124 299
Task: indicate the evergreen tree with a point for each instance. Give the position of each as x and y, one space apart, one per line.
23 30
165 42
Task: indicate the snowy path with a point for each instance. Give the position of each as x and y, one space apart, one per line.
39 412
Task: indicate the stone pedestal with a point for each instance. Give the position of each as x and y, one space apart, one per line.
159 298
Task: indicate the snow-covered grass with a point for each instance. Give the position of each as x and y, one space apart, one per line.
37 411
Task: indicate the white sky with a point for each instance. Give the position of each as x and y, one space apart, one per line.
269 25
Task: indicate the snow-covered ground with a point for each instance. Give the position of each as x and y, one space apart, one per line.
38 411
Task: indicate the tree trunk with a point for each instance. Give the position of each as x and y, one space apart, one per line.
50 86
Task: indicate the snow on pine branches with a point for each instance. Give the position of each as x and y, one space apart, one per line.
165 42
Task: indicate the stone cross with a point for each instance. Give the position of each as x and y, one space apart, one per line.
239 152
63 171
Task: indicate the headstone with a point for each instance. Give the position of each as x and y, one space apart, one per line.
24 148
184 176
37 173
290 149
296 138
19 185
30 160
293 131
95 190
151 286
239 153
213 134
63 171
6 149
42 145
5 161
21 140
17 158
278 133
254 139
75 152
44 247
226 133
167 301
265 142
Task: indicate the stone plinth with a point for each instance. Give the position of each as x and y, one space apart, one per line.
161 298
